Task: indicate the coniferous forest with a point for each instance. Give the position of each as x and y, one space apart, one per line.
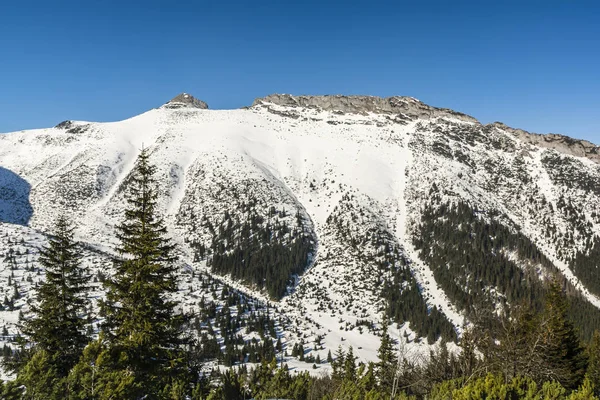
469 254
265 253
532 339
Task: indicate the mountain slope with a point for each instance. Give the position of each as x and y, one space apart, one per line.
338 210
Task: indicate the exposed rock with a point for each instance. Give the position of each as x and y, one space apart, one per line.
72 127
184 100
403 109
284 113
64 125
561 143
407 107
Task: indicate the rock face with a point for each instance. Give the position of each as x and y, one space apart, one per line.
64 125
411 108
185 100
407 106
561 143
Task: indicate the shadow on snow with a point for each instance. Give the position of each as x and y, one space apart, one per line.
15 207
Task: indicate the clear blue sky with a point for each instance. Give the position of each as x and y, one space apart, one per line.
530 64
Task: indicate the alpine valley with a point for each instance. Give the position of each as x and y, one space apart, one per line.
308 221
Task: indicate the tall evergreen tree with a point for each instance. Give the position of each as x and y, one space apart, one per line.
386 367
593 370
58 322
563 353
350 366
337 365
142 329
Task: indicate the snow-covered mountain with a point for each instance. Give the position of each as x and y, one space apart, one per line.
358 207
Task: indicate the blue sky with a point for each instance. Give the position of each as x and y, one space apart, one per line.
530 64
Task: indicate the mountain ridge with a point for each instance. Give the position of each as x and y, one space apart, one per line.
367 103
352 104
381 196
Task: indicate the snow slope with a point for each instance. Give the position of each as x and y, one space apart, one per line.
371 169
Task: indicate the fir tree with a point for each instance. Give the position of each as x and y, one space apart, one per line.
58 323
142 329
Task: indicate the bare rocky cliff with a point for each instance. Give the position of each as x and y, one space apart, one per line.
411 108
407 106
185 100
561 143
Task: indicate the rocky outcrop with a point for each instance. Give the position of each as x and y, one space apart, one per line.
561 143
72 127
64 125
407 106
184 100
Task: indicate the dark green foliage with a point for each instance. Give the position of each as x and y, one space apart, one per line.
540 345
350 365
7 351
58 322
337 365
467 251
143 331
563 355
493 386
377 246
593 355
468 255
40 378
510 341
221 323
264 253
406 303
269 382
586 266
584 314
388 361
569 172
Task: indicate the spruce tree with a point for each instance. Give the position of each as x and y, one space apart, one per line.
58 323
337 365
563 354
386 367
350 366
142 329
593 370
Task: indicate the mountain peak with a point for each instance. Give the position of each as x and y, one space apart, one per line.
183 100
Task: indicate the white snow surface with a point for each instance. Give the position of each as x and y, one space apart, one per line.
320 163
